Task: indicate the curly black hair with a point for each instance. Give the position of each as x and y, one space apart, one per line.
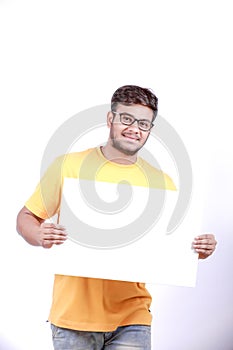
132 94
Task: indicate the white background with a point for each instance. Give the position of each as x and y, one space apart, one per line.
60 57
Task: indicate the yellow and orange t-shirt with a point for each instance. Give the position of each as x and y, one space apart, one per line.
92 304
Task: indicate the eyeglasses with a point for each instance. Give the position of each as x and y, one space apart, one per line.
128 119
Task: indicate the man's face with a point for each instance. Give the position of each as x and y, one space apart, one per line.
128 139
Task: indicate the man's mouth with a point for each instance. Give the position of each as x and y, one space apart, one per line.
130 136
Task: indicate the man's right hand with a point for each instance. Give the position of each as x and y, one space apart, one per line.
50 234
37 231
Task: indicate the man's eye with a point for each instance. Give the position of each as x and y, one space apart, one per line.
144 124
127 119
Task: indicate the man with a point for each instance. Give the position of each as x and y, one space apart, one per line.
89 313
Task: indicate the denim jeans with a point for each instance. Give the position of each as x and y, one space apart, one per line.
123 338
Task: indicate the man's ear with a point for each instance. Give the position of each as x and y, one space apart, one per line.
109 119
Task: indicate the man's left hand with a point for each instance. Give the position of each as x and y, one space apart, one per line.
204 245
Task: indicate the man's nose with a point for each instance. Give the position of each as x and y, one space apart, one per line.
134 126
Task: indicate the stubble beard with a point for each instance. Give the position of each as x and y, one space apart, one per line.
117 144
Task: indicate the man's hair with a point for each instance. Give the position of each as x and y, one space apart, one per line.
132 94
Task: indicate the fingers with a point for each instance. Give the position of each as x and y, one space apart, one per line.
204 245
52 234
205 241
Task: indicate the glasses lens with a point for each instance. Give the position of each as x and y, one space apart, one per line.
127 119
144 125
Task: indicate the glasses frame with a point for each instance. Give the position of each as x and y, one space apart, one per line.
134 119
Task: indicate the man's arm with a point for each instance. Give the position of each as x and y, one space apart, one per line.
38 233
204 245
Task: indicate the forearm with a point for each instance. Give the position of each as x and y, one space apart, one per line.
28 226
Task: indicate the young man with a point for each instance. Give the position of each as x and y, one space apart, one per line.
89 313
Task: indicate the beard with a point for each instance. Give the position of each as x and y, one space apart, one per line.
124 149
122 146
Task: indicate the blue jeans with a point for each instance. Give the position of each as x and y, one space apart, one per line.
123 338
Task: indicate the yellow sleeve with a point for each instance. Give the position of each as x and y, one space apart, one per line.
45 201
